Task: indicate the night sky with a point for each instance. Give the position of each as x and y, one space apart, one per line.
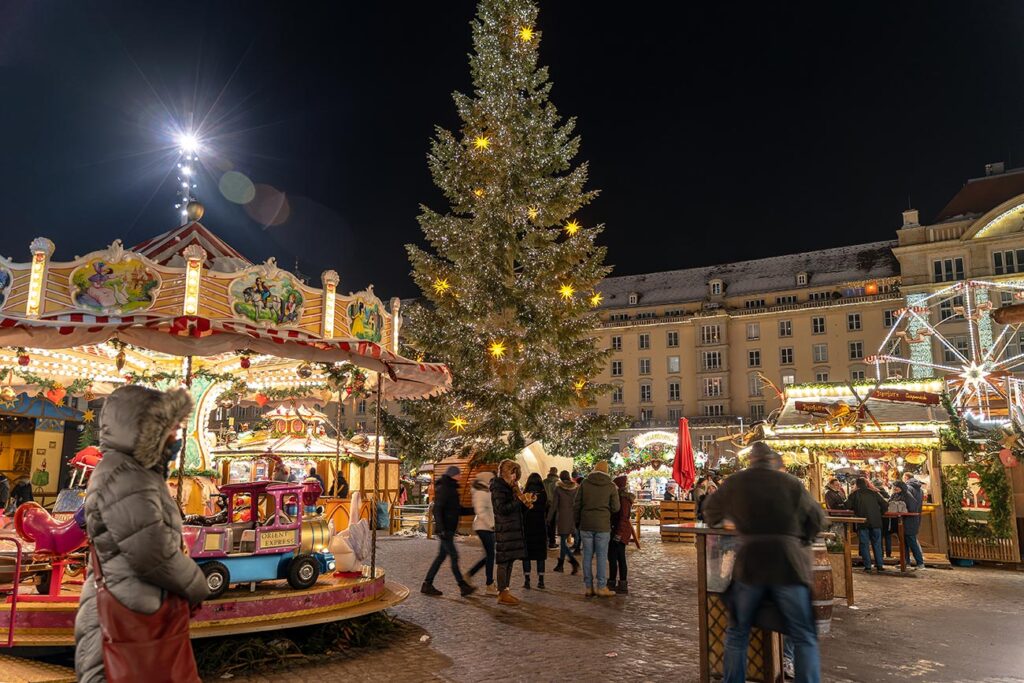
721 133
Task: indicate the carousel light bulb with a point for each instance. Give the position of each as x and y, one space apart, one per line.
481 142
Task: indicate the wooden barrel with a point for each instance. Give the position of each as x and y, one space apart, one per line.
823 591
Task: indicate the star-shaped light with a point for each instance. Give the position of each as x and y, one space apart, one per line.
479 192
88 416
579 385
526 34
469 405
532 212
481 142
596 298
572 227
566 291
441 285
497 349
458 423
974 375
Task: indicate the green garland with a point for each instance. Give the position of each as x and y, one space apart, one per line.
76 387
291 392
859 383
996 487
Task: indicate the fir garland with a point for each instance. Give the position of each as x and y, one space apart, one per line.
76 387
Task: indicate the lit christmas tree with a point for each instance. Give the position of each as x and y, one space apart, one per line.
509 278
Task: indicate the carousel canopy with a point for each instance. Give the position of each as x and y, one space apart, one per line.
77 317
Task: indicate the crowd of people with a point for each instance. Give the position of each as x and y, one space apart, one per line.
590 516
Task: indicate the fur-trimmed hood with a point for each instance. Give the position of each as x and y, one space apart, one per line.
135 420
567 486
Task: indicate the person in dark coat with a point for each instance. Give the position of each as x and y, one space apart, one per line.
341 486
5 491
914 498
564 518
869 504
21 493
777 519
834 497
622 534
535 529
447 511
509 540
897 502
550 482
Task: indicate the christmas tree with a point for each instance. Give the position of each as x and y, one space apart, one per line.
509 279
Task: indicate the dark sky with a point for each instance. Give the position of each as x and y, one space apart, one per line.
721 133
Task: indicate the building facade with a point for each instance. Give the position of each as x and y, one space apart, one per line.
701 342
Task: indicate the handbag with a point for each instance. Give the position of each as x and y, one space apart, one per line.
144 647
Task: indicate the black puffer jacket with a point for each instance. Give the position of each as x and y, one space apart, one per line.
534 525
508 523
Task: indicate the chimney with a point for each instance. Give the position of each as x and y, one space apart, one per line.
995 168
910 219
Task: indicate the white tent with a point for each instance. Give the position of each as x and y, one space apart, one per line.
534 458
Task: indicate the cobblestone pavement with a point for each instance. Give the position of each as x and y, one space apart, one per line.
958 625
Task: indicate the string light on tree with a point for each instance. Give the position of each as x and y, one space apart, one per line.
566 291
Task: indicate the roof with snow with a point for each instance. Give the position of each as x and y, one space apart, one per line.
166 248
980 195
825 268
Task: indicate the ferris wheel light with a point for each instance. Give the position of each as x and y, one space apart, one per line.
188 142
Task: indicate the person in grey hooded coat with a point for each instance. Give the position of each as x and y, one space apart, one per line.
134 524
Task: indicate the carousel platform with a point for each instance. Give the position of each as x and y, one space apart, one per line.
273 605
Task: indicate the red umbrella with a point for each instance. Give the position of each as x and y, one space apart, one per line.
684 470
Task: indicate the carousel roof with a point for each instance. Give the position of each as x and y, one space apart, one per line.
166 248
297 446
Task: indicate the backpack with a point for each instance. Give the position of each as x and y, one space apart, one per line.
897 505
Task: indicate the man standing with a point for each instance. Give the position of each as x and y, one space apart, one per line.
867 503
834 498
597 499
550 482
777 519
447 511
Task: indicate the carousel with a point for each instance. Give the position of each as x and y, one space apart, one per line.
184 309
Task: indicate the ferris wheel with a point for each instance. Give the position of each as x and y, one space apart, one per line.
968 334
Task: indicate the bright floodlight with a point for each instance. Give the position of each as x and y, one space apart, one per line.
188 142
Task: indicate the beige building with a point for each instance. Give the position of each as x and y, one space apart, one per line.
695 342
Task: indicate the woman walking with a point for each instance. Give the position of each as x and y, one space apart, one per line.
565 522
135 528
508 503
622 534
535 530
483 525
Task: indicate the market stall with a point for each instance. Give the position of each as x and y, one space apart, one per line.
227 330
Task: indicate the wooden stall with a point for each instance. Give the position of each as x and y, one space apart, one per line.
674 512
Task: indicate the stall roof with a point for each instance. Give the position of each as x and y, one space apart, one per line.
886 412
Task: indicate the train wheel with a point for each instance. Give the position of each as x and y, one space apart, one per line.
303 572
217 578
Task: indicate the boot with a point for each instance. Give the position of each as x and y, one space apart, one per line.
540 581
611 585
622 588
491 589
575 567
526 582
428 589
603 592
506 598
560 566
590 592
466 589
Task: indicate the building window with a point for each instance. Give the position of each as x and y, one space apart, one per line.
616 368
785 328
673 391
962 344
895 347
711 360
616 343
818 325
716 287
788 379
1006 262
857 375
753 331
948 270
646 315
754 358
710 334
644 341
645 366
646 414
705 442
713 410
856 350
754 383
616 394
889 318
618 317
801 279
786 355
633 298
674 414
645 393
672 340
712 386
853 322
785 300
821 376
756 411
675 313
820 353
819 296
673 364
948 307
753 303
